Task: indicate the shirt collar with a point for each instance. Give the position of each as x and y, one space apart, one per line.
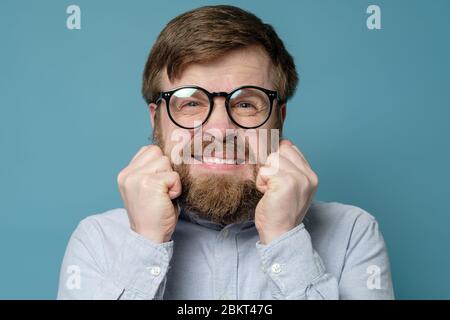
194 218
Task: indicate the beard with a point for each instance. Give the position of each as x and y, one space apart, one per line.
220 198
223 199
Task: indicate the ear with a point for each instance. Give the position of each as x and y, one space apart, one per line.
152 108
283 112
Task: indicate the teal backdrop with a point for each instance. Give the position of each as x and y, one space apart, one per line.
371 115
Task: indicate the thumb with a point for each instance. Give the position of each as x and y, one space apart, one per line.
172 183
262 179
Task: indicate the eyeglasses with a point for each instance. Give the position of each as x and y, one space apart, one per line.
189 107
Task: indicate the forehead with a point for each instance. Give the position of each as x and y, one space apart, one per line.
248 66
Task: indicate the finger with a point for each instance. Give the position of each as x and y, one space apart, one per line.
278 166
277 161
280 180
150 153
261 182
287 142
161 164
303 165
300 153
274 166
294 157
172 183
161 183
141 150
283 166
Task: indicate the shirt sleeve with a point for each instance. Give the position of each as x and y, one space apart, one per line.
138 271
366 273
296 271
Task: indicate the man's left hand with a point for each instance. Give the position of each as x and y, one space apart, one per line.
288 184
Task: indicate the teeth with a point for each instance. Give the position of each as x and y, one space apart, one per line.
198 158
218 160
215 160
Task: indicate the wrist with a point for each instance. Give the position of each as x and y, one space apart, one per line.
267 235
149 234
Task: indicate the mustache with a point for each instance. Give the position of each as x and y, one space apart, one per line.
229 147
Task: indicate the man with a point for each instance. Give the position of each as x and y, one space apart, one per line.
212 211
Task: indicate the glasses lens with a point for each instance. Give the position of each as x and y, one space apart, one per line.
249 107
189 107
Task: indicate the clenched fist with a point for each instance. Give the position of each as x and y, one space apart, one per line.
288 184
147 186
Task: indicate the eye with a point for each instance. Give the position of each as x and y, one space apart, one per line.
244 105
191 104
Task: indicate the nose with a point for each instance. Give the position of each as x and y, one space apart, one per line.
219 119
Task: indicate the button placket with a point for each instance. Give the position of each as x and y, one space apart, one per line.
226 264
275 268
154 270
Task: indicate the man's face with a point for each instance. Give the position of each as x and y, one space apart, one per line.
224 192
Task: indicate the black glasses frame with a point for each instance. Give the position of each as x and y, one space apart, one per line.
166 95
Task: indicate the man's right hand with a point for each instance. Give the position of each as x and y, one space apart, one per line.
147 186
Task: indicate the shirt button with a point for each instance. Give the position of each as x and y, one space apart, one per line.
276 268
154 271
225 233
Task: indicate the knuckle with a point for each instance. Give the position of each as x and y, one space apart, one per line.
155 150
121 177
126 182
175 175
315 179
146 182
290 181
311 182
304 181
273 158
165 160
283 148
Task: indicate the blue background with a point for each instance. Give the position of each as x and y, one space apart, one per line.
371 115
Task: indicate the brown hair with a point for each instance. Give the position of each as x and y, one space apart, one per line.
209 32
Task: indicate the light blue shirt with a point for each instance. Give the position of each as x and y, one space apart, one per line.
337 252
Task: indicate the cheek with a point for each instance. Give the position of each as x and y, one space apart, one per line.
273 132
274 120
168 132
268 139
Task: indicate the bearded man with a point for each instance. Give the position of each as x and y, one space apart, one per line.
220 206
